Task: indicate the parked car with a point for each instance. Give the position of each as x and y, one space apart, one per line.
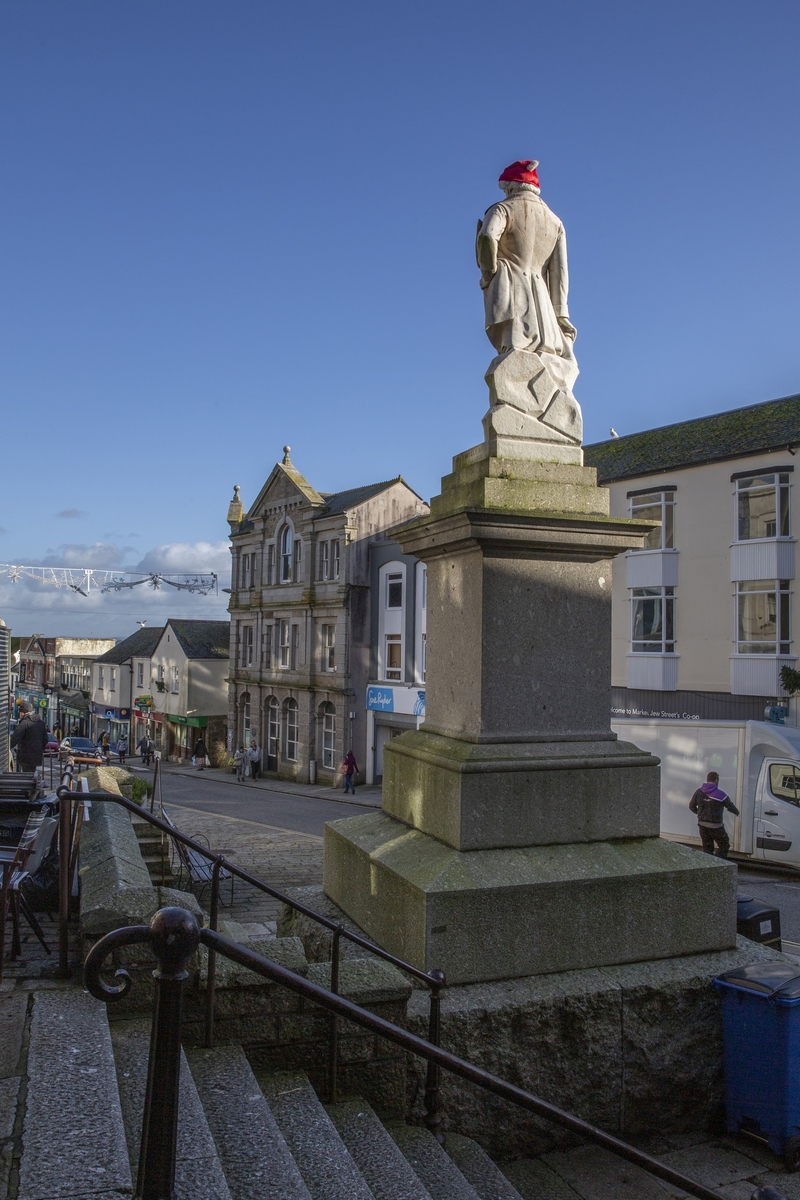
82 746
51 746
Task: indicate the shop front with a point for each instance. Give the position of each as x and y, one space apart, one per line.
392 709
181 734
113 721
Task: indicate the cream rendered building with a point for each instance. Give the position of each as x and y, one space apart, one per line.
707 615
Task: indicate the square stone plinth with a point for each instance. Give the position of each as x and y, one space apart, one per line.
503 914
480 797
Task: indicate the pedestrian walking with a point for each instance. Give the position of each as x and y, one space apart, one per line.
241 760
254 757
29 739
349 771
105 746
709 803
200 753
122 749
146 748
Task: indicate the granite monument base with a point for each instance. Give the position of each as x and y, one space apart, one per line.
505 913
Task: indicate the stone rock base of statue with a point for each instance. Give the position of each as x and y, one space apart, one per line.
518 835
533 412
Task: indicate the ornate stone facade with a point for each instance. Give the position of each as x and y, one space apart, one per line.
300 618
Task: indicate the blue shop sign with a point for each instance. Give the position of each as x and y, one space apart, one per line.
380 699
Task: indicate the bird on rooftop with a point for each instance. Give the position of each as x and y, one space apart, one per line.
613 432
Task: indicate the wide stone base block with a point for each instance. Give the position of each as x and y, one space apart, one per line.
502 914
636 1050
484 796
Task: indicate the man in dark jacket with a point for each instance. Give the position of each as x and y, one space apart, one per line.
709 802
29 739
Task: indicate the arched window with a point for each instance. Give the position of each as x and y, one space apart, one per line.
244 709
286 554
328 715
290 741
273 726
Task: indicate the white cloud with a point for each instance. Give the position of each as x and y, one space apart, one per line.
103 555
188 556
70 514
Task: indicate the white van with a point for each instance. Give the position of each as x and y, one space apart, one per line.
759 767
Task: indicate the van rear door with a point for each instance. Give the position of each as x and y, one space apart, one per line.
778 812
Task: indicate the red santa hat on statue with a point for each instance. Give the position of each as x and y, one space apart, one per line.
523 171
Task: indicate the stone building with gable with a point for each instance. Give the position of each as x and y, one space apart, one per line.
300 618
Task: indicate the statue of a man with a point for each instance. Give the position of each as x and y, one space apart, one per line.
522 254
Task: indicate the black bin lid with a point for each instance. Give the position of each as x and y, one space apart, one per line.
768 978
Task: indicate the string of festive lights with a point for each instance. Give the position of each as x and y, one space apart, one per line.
83 579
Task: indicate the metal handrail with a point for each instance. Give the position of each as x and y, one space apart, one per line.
434 980
174 934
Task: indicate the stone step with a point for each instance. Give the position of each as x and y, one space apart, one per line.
478 1169
322 1157
385 1168
534 1180
13 1016
198 1173
257 1162
432 1164
588 1173
73 1139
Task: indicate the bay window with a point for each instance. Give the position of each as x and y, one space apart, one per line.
653 620
762 617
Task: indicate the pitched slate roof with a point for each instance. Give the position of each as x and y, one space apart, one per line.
338 502
203 639
139 645
757 429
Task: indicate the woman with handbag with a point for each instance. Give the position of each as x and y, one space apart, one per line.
200 753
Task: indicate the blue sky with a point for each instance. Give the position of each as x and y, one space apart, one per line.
231 226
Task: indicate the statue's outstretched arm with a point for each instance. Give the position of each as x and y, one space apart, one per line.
490 231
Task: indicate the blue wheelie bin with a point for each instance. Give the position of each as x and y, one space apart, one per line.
761 1032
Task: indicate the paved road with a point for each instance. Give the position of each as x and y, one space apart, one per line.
274 809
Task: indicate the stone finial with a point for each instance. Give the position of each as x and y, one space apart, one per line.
235 508
287 462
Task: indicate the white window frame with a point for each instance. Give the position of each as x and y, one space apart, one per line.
329 647
100 680
286 557
329 736
777 482
393 580
663 536
292 724
334 558
324 560
140 674
112 679
273 726
392 674
649 645
284 644
781 590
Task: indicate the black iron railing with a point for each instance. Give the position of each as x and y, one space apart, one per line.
174 934
434 980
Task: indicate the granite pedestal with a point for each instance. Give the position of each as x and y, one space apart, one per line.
518 835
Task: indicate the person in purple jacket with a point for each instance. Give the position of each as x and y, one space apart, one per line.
709 802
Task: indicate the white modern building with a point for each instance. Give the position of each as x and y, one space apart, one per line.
705 617
395 698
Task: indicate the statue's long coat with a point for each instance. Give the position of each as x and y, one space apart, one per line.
522 244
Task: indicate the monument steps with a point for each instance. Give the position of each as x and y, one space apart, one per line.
71 1099
71 1093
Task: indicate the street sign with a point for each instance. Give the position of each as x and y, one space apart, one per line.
43 702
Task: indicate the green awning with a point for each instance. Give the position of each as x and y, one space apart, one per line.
197 722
